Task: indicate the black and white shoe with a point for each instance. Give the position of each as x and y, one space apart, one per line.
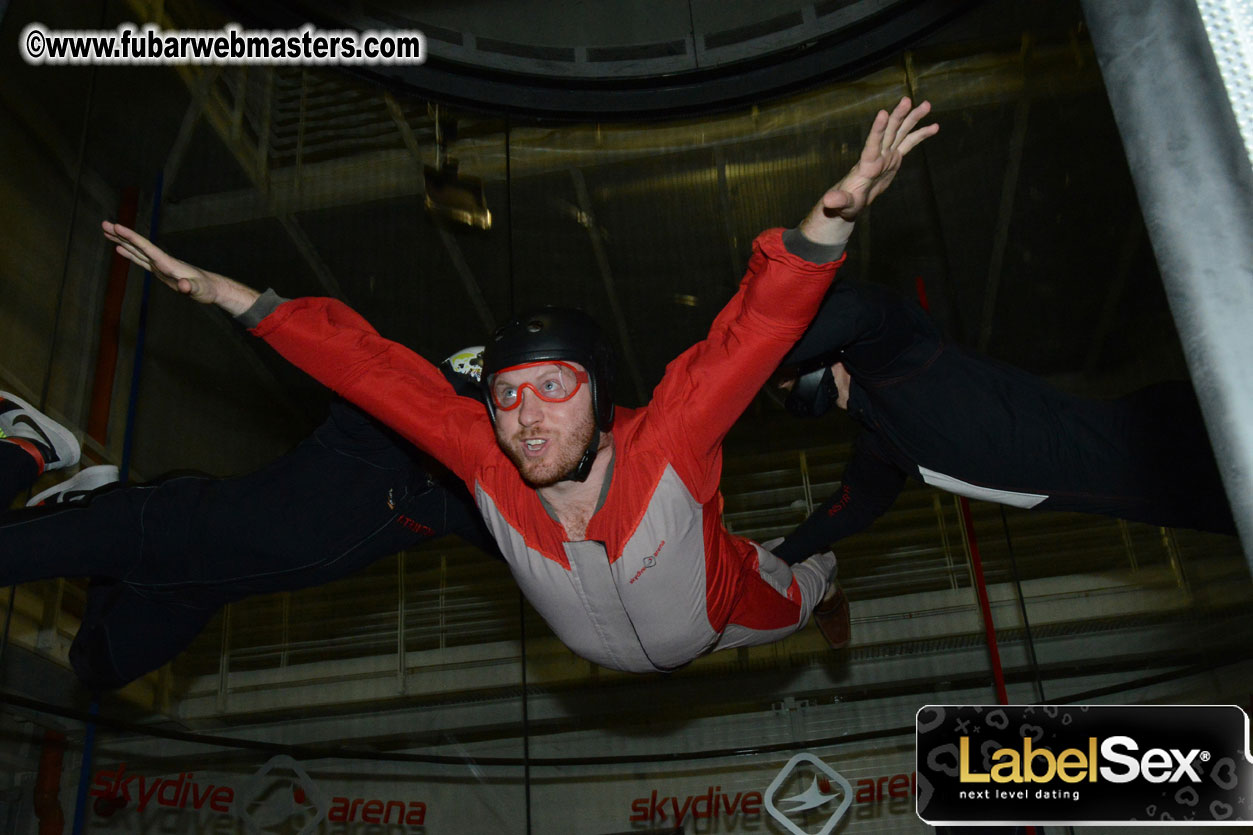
21 421
76 488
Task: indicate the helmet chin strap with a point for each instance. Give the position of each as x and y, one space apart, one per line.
584 467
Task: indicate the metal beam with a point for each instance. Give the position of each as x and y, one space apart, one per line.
950 85
343 182
41 127
173 164
728 220
187 129
263 131
227 123
304 245
468 281
1192 173
1114 291
588 220
1005 209
48 135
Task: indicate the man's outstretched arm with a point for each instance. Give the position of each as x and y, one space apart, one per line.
334 345
711 384
201 285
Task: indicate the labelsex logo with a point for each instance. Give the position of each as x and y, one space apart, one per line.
1039 765
1088 764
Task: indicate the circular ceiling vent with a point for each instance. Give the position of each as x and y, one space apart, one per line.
610 58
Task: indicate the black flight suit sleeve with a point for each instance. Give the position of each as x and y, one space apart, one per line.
881 338
876 333
869 486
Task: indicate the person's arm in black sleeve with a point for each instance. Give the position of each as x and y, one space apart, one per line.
842 320
868 327
868 488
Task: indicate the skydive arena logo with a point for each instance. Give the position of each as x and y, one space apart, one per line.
1185 764
807 791
279 796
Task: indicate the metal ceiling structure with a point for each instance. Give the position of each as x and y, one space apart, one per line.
592 61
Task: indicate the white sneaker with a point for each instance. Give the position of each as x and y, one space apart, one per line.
78 487
19 419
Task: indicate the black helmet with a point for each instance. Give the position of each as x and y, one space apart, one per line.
464 370
555 333
813 394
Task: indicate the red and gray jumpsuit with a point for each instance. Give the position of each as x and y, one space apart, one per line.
658 581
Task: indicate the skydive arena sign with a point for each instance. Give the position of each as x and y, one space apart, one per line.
1026 764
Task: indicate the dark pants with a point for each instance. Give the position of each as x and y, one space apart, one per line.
18 472
164 557
1166 474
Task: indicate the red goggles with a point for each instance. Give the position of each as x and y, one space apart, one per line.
555 386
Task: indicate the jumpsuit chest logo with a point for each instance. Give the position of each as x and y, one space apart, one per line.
649 562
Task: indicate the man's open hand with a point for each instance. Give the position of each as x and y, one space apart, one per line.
891 137
203 286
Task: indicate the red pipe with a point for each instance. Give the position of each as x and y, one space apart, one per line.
981 589
110 326
48 785
976 564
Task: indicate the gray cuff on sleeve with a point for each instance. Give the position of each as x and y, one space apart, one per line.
265 304
800 246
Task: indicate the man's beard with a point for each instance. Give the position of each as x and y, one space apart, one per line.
559 460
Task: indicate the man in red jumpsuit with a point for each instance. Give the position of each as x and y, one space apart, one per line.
611 523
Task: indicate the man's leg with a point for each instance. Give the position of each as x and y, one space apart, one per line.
778 600
104 537
347 496
338 501
1154 464
829 607
1177 462
164 557
30 444
18 471
191 531
125 635
834 618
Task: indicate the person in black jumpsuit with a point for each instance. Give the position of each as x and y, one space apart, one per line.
965 423
164 557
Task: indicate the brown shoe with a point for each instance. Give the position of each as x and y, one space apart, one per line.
834 622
